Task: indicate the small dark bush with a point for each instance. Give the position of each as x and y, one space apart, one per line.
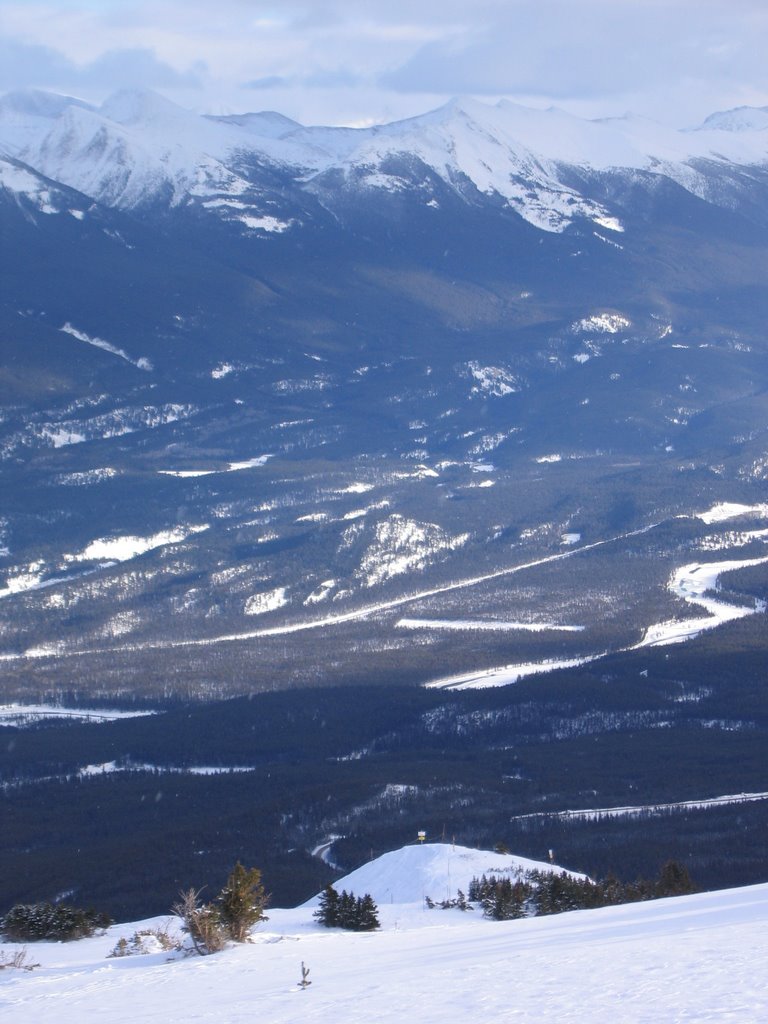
345 910
35 922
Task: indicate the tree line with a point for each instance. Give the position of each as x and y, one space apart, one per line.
537 893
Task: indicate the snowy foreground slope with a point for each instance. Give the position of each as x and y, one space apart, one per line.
695 958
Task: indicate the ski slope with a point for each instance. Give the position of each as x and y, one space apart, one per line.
690 959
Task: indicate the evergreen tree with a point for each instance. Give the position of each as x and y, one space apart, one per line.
359 914
367 916
674 880
242 901
327 912
58 922
347 910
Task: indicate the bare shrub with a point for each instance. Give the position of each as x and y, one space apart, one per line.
16 961
201 921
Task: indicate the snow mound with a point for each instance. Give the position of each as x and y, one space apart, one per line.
437 870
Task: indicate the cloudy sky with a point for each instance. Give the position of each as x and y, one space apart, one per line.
366 61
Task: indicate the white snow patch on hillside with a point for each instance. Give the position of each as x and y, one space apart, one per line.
141 363
232 467
189 474
63 436
28 577
610 223
26 714
272 225
731 539
113 767
121 549
86 477
644 810
490 442
356 488
268 601
492 380
321 592
730 510
20 182
260 460
355 513
401 545
505 675
601 323
484 624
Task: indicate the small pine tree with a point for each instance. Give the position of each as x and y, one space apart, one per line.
347 910
242 901
327 912
367 914
674 880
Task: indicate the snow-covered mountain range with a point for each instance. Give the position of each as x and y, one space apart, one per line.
138 148
262 379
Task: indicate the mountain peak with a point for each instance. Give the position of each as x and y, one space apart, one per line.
139 106
38 103
740 119
265 124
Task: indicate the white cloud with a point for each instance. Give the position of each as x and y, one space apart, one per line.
329 60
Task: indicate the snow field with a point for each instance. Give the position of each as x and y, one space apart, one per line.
690 959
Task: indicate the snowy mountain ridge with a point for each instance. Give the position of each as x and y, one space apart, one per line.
138 148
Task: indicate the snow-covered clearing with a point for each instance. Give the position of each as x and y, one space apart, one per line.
504 675
232 467
689 959
601 323
725 510
123 549
269 601
111 767
25 714
592 813
485 624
